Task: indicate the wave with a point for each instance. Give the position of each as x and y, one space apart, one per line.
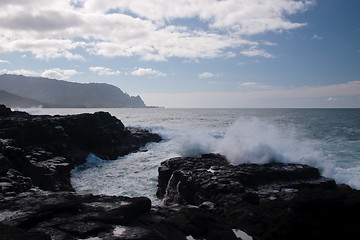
92 161
251 140
194 143
257 141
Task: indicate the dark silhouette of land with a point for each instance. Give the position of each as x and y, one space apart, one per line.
22 91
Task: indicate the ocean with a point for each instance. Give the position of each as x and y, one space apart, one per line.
328 139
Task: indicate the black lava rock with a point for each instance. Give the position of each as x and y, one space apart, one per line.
269 201
37 154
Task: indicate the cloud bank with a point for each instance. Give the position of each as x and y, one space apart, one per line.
147 29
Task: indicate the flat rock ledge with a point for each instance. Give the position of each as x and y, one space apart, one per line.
270 201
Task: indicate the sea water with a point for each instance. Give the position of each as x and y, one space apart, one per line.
328 139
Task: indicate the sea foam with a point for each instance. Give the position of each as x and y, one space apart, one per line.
257 141
251 140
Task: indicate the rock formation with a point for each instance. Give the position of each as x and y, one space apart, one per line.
37 154
270 201
46 148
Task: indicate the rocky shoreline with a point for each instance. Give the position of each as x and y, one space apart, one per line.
37 154
204 197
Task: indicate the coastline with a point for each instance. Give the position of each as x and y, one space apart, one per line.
204 197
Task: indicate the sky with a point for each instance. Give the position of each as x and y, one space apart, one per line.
192 53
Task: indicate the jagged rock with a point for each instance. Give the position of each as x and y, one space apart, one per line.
4 164
270 201
14 182
37 154
46 148
14 233
4 111
68 214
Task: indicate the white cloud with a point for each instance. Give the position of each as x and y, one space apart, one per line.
253 86
57 73
147 72
247 84
4 61
44 21
19 72
206 75
316 37
104 71
255 52
267 43
42 48
242 16
142 28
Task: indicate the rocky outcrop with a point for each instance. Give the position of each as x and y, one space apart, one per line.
38 214
46 148
37 154
270 201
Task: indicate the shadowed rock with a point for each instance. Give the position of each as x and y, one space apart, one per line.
270 201
66 214
37 154
46 148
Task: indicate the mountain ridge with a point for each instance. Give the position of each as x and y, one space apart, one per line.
59 93
13 100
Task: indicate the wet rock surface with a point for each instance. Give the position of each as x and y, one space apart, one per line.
270 201
37 154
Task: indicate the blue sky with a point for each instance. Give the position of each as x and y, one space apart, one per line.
203 53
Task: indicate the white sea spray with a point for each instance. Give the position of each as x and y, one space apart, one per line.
251 140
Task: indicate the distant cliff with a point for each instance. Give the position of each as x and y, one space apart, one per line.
57 93
13 100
